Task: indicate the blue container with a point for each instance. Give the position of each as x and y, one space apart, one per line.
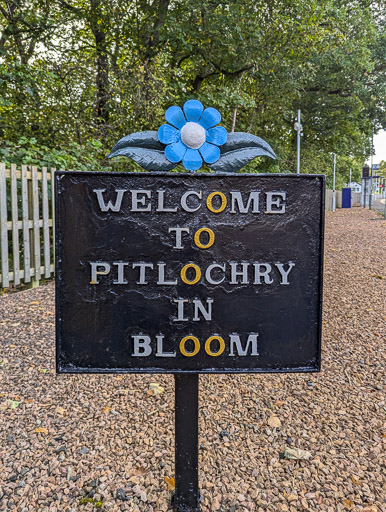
346 197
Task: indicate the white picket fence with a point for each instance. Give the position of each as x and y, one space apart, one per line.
26 225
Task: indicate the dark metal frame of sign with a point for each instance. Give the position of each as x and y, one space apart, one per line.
190 274
238 257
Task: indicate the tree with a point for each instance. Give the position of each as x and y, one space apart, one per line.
77 70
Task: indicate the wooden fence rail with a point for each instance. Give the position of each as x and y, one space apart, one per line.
26 225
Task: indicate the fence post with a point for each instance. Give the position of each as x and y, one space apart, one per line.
25 214
15 227
46 229
33 207
3 229
53 211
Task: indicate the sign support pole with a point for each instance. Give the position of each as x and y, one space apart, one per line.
333 186
298 144
186 498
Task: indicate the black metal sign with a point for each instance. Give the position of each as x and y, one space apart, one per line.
188 273
366 171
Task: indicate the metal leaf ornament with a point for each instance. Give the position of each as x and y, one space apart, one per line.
191 137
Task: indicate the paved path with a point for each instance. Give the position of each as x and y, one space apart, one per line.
379 205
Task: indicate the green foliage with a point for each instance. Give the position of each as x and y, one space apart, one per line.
29 152
86 500
382 168
77 76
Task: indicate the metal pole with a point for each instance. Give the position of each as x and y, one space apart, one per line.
365 192
333 185
371 168
186 498
298 144
350 179
372 147
384 213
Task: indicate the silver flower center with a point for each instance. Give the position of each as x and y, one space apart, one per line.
193 135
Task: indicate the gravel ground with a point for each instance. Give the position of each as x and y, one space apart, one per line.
85 443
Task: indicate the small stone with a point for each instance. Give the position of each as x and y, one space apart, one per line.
84 450
121 495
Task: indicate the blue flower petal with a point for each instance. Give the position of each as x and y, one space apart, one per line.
193 110
175 152
217 135
192 160
168 134
209 153
175 116
210 118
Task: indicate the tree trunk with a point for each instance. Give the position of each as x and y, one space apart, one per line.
102 67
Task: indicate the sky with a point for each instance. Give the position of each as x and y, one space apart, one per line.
380 147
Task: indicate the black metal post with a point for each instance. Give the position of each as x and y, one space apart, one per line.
186 498
364 193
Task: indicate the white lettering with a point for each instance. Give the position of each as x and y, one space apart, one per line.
178 232
161 203
275 202
121 268
110 206
160 348
235 342
141 346
161 276
237 198
262 273
142 271
239 273
199 307
180 310
137 201
284 273
99 268
208 273
184 198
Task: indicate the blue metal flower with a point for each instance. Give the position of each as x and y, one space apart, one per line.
192 135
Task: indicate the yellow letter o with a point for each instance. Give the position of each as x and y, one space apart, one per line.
197 270
220 350
197 238
209 200
196 346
